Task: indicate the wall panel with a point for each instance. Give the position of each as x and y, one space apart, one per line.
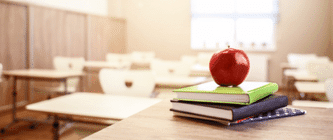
30 36
105 35
75 32
13 51
56 33
117 37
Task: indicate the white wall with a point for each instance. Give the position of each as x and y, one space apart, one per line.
115 8
164 26
96 7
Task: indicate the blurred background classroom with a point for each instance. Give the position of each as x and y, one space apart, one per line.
288 42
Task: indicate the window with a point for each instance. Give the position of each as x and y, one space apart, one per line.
243 24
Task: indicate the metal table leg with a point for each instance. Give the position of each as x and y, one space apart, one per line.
14 111
14 108
56 128
65 81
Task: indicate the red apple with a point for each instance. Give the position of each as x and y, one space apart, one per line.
229 67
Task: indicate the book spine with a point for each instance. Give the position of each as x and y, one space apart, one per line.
259 93
260 107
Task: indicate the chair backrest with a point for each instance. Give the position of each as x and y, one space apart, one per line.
125 60
170 68
300 60
313 67
67 64
118 58
77 64
61 63
143 57
329 89
322 71
114 81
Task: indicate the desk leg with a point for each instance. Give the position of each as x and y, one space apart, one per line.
14 107
65 81
56 128
81 88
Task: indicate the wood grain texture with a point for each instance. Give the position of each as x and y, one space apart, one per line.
117 39
13 51
48 36
105 35
56 33
157 122
75 34
31 35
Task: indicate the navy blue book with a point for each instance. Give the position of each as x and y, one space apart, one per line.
273 114
230 112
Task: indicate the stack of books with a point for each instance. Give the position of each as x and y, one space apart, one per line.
249 101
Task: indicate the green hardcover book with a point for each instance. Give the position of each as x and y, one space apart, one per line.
244 94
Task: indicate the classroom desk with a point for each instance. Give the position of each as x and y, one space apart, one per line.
94 105
157 122
310 88
199 70
300 75
177 81
97 65
317 104
92 69
295 75
36 74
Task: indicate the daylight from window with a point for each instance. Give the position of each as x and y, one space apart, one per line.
243 24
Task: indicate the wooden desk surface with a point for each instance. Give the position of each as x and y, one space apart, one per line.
180 81
42 73
157 122
93 105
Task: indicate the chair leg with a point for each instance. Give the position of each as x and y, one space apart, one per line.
154 94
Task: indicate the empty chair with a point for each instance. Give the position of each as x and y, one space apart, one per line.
124 60
170 68
139 83
139 56
142 60
322 70
63 64
174 74
327 88
76 64
300 60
